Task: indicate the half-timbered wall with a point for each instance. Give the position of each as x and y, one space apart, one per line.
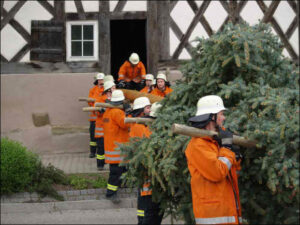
171 25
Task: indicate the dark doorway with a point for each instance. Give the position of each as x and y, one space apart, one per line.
127 36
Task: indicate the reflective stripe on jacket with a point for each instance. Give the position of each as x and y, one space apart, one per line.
214 182
99 131
94 92
157 92
115 131
128 72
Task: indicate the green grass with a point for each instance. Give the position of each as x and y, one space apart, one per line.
85 181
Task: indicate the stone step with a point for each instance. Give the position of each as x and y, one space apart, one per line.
71 195
66 205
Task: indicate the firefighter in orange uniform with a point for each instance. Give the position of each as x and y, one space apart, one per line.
115 131
148 212
94 91
162 87
213 164
132 73
149 84
109 87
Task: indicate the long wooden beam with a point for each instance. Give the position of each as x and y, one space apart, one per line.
195 132
138 120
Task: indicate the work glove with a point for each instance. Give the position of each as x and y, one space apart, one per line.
238 154
126 107
224 138
102 110
121 84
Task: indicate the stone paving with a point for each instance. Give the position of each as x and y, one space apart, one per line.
77 162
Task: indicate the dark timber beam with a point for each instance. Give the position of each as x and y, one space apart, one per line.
104 37
291 28
18 27
190 29
163 19
59 10
120 6
270 11
203 20
179 34
11 14
21 53
280 33
152 38
47 6
80 9
3 59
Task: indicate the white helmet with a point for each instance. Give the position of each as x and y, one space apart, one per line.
209 104
134 58
140 103
149 77
108 84
155 106
161 76
99 76
108 77
117 95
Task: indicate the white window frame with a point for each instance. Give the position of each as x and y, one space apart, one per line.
70 58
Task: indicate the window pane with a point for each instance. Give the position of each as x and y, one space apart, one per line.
88 32
88 48
76 32
76 48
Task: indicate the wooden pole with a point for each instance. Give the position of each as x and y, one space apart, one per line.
138 120
89 109
195 132
107 105
86 99
132 95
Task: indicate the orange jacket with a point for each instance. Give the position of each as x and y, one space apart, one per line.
128 72
140 130
115 131
94 92
99 131
214 182
157 92
146 90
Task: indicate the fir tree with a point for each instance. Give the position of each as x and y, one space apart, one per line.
244 65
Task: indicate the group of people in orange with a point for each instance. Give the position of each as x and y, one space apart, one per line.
107 126
213 162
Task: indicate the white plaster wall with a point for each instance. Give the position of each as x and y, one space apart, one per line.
12 42
55 94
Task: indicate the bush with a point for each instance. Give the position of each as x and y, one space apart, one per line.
22 170
18 166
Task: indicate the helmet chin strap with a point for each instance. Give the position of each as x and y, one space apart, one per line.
214 119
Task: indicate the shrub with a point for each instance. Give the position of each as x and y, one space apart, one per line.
22 170
18 166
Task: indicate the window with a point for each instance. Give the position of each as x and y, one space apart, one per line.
82 41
